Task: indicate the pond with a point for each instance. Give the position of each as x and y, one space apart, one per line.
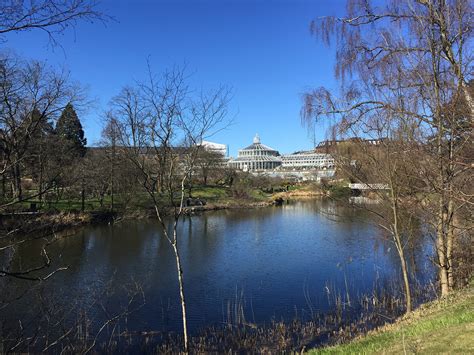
258 264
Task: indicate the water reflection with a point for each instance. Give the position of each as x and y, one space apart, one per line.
275 257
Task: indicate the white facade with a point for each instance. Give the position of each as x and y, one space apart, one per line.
307 160
256 156
215 147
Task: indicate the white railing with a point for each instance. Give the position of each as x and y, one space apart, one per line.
360 186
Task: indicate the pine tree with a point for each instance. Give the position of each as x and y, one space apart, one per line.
70 134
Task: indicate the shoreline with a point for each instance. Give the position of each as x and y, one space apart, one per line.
433 327
274 200
24 223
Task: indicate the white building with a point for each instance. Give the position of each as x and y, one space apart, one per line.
307 161
256 157
215 147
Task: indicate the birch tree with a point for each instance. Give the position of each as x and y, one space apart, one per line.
408 59
162 121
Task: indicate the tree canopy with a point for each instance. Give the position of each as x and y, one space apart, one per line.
70 133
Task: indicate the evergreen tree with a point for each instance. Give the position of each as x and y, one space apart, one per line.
70 134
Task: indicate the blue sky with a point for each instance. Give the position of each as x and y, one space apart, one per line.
262 49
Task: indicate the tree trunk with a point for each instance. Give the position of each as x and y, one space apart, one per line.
101 199
406 280
469 100
442 264
181 292
112 172
449 257
17 189
4 186
450 244
112 194
441 248
83 197
40 182
399 245
441 215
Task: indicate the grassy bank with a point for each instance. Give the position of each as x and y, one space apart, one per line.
215 196
439 327
35 215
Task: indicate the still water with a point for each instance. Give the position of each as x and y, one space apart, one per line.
274 263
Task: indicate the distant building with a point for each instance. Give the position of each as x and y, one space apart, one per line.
329 146
307 161
256 157
215 147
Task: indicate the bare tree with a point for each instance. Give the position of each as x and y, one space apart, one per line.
380 166
407 59
31 94
162 123
110 139
51 16
208 162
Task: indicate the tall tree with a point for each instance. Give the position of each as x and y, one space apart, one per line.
72 146
161 123
40 150
30 93
110 138
383 170
407 60
70 134
208 162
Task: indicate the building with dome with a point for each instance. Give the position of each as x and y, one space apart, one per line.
256 157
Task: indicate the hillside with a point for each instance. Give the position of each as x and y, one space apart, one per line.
439 327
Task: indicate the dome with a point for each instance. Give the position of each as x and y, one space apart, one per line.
257 156
257 146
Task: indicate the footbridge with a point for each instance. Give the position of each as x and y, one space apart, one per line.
362 186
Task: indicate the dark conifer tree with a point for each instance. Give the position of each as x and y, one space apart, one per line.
70 134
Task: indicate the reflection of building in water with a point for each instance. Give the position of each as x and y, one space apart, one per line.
255 157
307 160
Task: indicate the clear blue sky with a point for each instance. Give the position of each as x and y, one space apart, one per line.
260 48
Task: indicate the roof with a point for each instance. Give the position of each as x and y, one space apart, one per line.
212 145
256 145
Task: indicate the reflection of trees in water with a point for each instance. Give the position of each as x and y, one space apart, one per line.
201 239
234 216
38 321
301 239
352 222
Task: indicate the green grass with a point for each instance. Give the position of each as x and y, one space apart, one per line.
213 193
64 205
73 204
223 194
445 326
259 195
141 201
